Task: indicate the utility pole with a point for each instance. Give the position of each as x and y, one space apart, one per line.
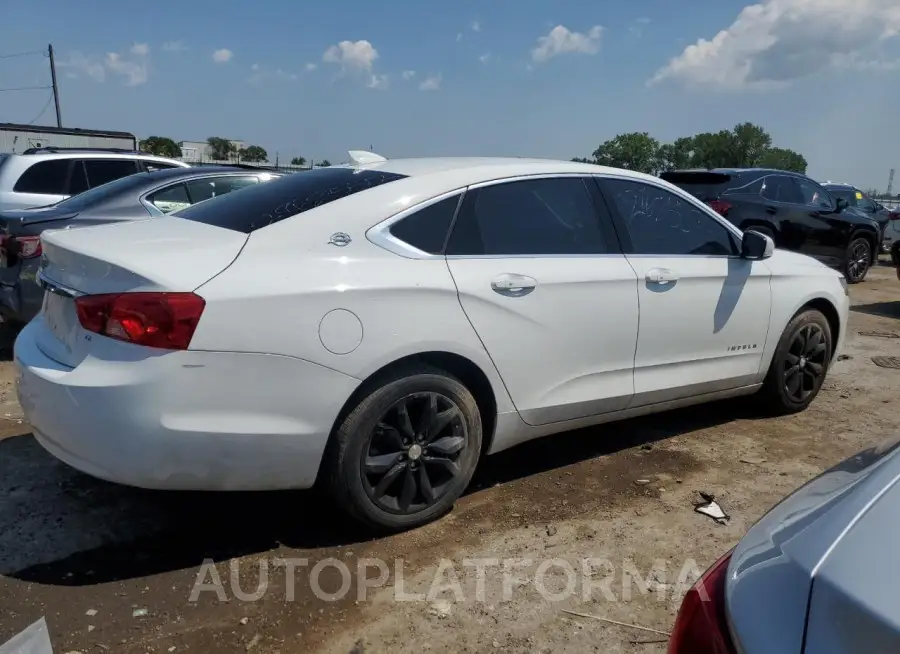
55 87
890 183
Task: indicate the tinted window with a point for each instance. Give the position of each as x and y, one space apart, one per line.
78 182
48 177
427 228
864 202
101 171
660 222
754 187
780 188
170 199
813 194
844 194
540 216
701 184
210 187
268 203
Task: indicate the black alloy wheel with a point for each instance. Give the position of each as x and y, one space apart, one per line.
413 454
859 258
805 363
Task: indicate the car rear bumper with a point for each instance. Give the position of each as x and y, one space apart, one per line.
20 300
182 420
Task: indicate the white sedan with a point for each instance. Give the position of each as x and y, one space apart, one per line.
379 327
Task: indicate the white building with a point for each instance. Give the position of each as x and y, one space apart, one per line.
200 152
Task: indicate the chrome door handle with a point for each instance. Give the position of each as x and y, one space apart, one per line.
661 276
513 285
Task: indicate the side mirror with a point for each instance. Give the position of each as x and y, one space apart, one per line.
756 246
841 204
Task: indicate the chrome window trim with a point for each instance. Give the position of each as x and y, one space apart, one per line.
684 195
381 236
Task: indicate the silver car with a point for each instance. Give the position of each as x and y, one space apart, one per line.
817 575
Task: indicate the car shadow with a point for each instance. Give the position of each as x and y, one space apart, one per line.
8 333
884 309
81 531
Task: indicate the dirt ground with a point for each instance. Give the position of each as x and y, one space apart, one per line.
599 522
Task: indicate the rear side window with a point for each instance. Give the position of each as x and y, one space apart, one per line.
210 187
78 183
780 188
170 199
101 171
265 204
45 177
427 228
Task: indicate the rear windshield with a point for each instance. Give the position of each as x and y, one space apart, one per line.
702 185
258 206
97 194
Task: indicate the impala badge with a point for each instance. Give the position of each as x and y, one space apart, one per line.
340 239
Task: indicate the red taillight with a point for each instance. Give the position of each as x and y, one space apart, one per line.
27 247
720 207
701 626
165 320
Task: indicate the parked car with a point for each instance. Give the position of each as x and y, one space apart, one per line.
42 176
793 210
381 326
891 237
136 197
817 574
858 200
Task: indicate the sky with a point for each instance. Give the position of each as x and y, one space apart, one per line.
548 78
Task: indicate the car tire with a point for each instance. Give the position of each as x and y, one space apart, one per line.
858 260
803 356
388 473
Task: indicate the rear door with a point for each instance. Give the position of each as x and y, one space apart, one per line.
826 232
704 311
544 284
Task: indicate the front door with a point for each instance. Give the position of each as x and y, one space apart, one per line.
704 311
544 284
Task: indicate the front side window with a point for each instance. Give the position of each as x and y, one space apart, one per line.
864 202
659 222
210 187
553 216
814 195
101 171
427 229
265 204
45 177
171 198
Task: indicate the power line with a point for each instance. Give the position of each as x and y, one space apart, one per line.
38 117
23 54
27 88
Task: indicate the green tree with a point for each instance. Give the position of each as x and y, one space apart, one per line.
253 154
713 150
749 143
220 149
635 151
161 146
582 160
676 155
783 159
324 163
298 161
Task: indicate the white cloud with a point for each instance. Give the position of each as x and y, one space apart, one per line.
561 41
78 64
408 74
358 55
222 56
140 49
263 74
135 71
310 67
378 82
485 57
476 26
174 46
777 41
431 83
459 37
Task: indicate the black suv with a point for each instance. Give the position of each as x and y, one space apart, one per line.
857 199
796 212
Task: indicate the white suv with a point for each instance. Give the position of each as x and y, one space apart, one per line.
42 176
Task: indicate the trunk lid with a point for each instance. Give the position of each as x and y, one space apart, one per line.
158 254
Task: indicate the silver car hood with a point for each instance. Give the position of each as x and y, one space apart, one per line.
827 542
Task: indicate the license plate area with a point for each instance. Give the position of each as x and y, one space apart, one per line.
61 318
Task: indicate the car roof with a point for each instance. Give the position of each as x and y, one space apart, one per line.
93 154
486 168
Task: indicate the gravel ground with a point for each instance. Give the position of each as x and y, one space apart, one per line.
598 522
